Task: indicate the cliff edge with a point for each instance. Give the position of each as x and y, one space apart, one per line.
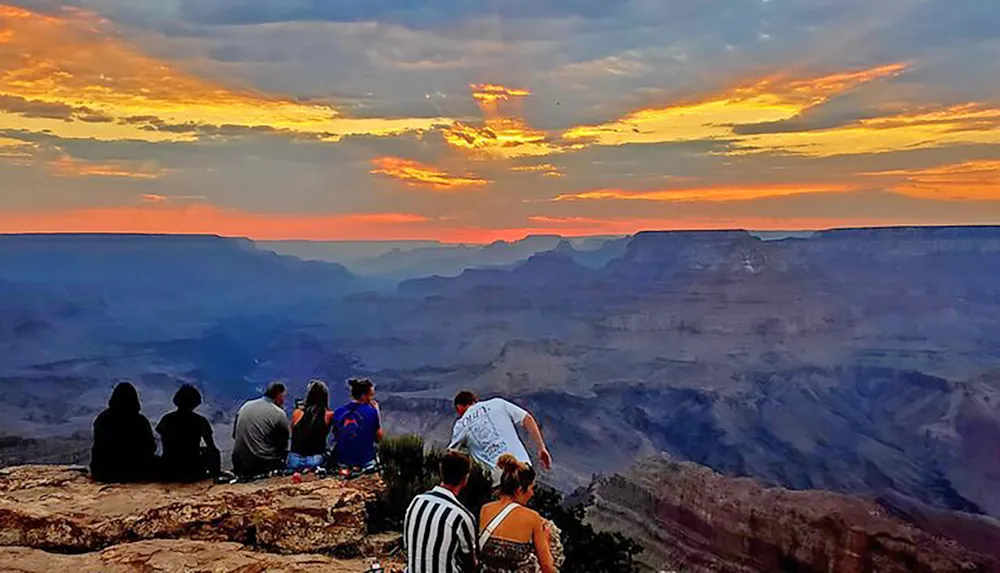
692 519
47 512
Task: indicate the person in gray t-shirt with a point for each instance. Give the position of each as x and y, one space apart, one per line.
261 432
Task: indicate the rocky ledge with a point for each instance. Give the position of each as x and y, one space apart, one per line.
692 519
60 509
172 556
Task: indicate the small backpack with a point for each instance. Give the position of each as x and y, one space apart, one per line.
347 431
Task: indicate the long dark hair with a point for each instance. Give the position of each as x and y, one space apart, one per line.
317 396
124 399
317 403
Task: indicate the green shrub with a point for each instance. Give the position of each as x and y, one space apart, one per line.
407 471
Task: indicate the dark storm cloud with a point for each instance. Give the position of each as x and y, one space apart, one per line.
50 110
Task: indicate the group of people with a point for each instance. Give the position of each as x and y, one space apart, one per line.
124 448
262 431
440 534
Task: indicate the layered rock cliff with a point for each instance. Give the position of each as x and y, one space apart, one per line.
692 519
272 525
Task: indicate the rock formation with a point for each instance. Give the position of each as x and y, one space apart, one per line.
60 509
171 556
693 519
857 361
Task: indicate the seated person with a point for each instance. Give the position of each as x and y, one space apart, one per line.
357 426
261 432
311 428
513 538
182 432
124 448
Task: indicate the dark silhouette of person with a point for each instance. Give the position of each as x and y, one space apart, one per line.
124 448
182 432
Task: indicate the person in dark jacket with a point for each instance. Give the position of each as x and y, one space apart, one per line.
182 433
124 448
311 428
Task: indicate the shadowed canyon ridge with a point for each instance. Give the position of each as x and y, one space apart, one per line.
860 361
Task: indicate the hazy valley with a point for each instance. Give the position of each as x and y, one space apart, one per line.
860 361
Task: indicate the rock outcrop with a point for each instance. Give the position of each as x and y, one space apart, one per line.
61 509
171 556
693 519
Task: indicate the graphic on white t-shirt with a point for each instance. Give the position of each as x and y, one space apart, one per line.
488 429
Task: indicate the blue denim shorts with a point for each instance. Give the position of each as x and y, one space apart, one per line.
297 462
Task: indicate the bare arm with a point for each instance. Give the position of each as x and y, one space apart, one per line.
535 432
380 433
540 535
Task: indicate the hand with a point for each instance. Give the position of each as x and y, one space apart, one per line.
374 403
546 459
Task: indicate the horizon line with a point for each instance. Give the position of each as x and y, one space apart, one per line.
524 237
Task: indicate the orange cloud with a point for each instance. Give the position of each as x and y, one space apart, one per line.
66 166
770 99
416 174
76 61
720 116
969 181
209 219
707 194
504 134
502 138
492 93
956 125
546 169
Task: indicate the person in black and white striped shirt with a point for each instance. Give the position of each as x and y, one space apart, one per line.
439 533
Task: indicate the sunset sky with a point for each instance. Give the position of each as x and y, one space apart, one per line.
471 121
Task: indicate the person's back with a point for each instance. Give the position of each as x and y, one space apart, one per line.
511 546
261 432
310 429
514 538
357 426
182 433
488 429
438 531
124 449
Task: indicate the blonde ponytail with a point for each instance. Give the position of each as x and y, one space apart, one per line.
516 476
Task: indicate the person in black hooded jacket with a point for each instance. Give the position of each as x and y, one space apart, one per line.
124 448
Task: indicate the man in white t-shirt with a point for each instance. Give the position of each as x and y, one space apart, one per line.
488 430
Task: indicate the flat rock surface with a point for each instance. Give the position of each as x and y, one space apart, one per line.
171 556
61 509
